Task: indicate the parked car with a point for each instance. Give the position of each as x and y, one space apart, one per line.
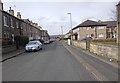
33 46
46 41
42 41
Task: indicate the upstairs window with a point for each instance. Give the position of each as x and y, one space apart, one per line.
11 23
100 27
5 20
17 25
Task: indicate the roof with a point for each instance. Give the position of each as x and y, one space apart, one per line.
110 23
118 3
88 23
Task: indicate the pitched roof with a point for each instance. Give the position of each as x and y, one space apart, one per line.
110 23
118 3
88 23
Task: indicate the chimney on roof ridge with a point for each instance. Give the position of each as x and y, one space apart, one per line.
11 11
1 5
18 15
99 21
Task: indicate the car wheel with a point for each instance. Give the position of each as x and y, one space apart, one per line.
40 48
26 51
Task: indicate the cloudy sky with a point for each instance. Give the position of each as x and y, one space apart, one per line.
53 14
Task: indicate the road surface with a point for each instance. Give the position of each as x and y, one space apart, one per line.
57 62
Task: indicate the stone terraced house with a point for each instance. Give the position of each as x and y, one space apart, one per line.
12 26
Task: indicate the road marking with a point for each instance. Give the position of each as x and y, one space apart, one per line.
98 76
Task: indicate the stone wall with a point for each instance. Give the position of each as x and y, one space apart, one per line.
7 49
111 51
80 44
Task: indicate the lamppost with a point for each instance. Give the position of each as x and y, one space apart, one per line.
71 26
62 32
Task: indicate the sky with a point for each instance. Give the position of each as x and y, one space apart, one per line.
52 14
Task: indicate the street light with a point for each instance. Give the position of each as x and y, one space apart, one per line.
71 25
62 32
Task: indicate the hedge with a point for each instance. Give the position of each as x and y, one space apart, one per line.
21 40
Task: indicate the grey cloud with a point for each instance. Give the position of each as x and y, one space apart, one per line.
43 18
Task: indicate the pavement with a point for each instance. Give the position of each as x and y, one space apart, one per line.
102 58
12 54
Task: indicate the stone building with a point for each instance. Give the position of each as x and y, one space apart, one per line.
13 26
89 28
95 30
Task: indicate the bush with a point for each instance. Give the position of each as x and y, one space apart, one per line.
21 40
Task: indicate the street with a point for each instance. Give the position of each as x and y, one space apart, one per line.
57 62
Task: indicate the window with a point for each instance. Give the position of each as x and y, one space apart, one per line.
101 35
88 28
30 29
7 34
11 23
92 35
17 25
100 27
21 26
4 34
24 27
87 35
93 28
5 21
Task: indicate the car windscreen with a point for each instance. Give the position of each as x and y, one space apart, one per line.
32 43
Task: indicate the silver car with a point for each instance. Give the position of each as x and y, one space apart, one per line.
33 46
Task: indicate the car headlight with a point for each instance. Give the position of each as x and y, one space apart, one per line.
33 47
26 47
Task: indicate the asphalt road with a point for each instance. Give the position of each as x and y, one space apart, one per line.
57 62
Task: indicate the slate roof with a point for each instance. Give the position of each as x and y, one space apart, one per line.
110 23
118 3
88 23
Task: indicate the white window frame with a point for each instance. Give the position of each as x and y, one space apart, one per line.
5 20
101 35
11 23
101 27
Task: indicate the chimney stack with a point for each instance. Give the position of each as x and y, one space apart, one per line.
11 11
99 21
19 15
1 5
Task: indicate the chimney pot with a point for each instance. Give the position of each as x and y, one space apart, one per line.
19 15
10 8
11 11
